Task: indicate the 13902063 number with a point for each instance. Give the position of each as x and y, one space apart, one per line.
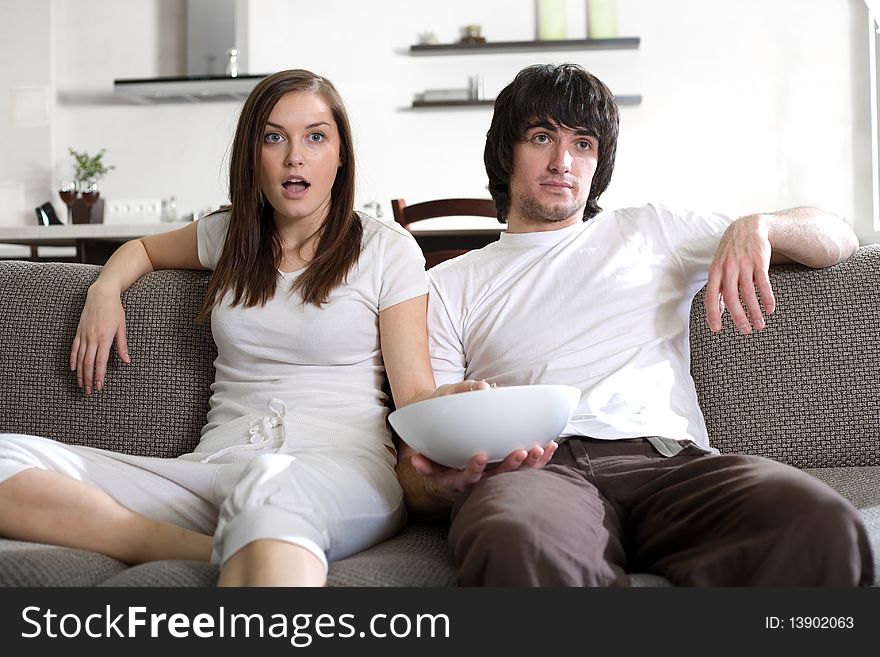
821 622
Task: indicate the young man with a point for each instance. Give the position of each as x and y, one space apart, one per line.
602 303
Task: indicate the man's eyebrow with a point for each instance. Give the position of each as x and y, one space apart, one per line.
546 125
554 127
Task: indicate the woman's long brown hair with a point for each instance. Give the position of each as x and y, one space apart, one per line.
248 264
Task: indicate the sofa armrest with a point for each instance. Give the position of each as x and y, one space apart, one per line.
156 406
806 389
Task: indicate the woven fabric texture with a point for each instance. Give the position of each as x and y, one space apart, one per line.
33 564
156 406
806 389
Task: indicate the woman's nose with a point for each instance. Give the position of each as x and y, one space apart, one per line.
294 158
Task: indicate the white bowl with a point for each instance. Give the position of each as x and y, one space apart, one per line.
449 430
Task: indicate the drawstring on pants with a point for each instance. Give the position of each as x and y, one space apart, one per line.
260 431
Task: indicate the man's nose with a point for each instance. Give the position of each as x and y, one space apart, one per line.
561 160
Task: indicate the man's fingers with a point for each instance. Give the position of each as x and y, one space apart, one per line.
766 292
467 385
549 450
712 300
512 461
475 467
750 301
730 292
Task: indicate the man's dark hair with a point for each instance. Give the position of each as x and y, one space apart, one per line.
565 94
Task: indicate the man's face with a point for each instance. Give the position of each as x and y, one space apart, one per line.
552 171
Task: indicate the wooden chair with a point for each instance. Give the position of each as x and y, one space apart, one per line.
407 215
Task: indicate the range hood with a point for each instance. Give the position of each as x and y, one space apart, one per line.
214 28
186 89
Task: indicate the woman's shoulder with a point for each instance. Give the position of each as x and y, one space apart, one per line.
384 234
215 222
373 226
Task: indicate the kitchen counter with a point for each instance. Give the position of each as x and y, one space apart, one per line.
96 242
69 235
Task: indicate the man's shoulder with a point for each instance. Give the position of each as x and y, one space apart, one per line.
649 212
465 264
659 215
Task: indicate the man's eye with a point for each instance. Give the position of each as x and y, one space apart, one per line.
541 139
585 145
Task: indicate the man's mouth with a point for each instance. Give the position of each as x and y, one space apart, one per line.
557 183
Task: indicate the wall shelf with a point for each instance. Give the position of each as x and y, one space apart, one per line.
619 43
430 104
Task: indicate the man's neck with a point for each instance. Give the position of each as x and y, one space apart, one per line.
518 224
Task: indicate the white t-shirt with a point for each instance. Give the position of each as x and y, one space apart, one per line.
325 362
603 306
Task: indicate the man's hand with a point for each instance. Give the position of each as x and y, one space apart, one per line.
741 266
450 483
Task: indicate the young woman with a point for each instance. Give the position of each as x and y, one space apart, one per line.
295 466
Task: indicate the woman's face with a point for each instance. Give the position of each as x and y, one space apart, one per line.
299 158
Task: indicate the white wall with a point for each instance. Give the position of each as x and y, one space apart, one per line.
748 105
25 108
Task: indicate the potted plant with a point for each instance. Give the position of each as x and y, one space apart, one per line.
82 196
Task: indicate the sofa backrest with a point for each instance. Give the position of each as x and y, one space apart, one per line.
155 406
805 390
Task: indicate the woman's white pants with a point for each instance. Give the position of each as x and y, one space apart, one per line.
325 487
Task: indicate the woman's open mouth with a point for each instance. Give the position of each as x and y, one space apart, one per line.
295 187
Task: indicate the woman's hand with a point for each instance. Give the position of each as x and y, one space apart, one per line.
102 320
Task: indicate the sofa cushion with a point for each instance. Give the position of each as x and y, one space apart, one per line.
418 556
34 564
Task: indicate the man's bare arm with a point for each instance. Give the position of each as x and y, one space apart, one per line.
749 246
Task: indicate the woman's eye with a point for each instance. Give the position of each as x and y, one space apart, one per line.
273 138
317 137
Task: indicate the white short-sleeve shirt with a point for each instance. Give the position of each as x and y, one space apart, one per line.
325 362
603 306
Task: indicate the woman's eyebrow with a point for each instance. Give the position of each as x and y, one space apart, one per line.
308 127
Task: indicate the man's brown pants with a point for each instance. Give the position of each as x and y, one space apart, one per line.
602 509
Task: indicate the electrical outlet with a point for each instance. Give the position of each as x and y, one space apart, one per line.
147 211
